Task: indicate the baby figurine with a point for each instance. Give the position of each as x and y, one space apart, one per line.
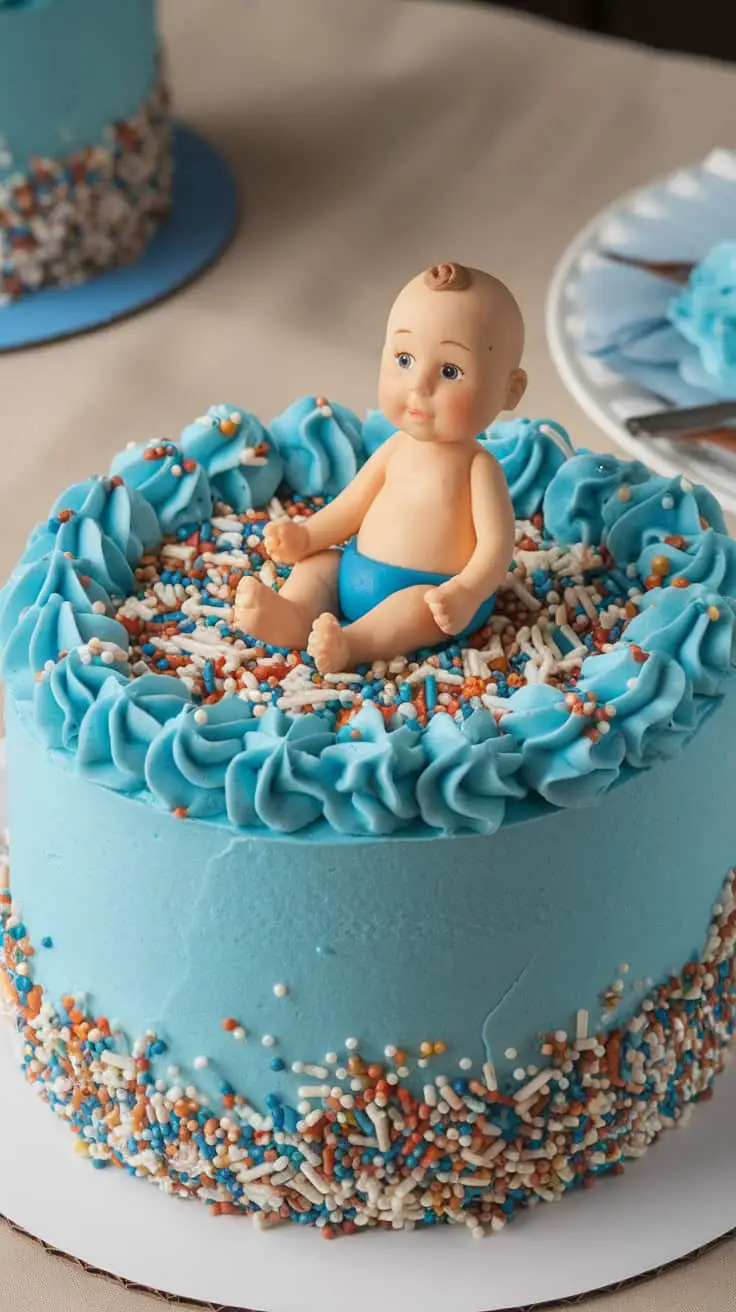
428 520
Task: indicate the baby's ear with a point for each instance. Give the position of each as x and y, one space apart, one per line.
516 388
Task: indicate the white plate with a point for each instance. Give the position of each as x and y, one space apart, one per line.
610 400
678 1198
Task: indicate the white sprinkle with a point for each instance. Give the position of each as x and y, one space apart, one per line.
519 1074
389 1051
201 1063
449 1095
489 1075
465 1063
200 716
581 1025
380 1120
280 990
351 1044
534 1086
268 1041
430 1095
319 1072
239 1033
314 1090
331 1058
510 1054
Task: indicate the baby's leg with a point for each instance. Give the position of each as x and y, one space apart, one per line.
402 623
284 619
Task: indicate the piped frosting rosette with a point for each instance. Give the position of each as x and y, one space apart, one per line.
321 445
173 484
530 452
656 303
66 658
238 455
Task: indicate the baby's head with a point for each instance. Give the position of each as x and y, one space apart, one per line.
452 356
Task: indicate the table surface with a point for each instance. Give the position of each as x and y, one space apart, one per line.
370 138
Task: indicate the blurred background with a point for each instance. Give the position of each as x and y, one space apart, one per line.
707 28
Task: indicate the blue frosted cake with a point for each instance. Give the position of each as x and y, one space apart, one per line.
85 142
427 941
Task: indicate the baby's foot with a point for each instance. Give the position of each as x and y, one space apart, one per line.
262 613
452 606
328 645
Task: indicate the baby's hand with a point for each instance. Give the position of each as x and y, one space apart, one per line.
286 542
452 605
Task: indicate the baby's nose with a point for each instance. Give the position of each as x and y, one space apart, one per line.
424 382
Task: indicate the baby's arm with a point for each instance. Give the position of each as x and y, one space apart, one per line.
454 604
288 542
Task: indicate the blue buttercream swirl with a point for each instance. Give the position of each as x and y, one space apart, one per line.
579 489
120 726
122 515
376 430
648 512
560 759
655 712
83 539
279 779
693 625
321 445
704 311
709 559
237 453
45 633
471 770
371 775
34 583
63 697
529 451
187 762
176 486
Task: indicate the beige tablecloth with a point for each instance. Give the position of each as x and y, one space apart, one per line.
370 137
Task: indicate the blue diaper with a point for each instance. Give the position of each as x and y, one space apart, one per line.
364 583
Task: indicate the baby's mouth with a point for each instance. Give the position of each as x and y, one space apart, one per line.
417 414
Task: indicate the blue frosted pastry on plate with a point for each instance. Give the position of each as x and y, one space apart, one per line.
428 941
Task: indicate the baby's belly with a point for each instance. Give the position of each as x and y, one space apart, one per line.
428 542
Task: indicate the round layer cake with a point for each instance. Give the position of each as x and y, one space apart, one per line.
429 940
85 141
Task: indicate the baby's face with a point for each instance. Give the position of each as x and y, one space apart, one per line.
447 364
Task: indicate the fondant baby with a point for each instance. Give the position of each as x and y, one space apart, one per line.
428 520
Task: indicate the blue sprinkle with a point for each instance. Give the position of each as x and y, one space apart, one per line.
430 691
278 1064
47 942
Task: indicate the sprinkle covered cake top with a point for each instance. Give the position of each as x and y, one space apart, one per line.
610 640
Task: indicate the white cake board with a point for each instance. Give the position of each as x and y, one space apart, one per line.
677 1199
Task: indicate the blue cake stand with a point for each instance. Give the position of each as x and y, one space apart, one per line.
203 220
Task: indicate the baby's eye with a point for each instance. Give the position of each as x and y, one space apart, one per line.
451 372
404 359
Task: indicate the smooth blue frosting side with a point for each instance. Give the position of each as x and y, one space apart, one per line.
121 514
321 446
68 70
176 487
579 489
237 475
529 451
481 941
